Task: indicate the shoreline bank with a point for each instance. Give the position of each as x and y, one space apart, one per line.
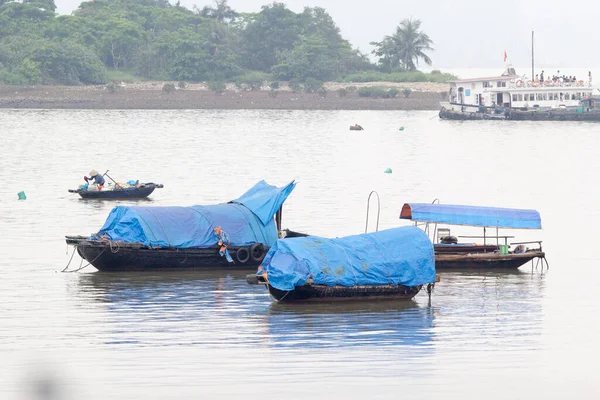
149 95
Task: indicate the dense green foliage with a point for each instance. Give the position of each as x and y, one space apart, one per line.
152 39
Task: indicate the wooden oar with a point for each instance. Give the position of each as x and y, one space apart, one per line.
116 184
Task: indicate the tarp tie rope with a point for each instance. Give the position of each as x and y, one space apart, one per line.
161 227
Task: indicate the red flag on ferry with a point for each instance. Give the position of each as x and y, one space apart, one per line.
505 56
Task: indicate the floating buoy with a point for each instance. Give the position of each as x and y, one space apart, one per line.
387 171
22 195
401 128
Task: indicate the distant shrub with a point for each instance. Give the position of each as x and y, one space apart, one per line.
406 92
351 88
312 85
181 85
274 85
273 93
374 91
168 88
322 91
407 76
252 80
393 92
295 85
113 87
342 92
216 86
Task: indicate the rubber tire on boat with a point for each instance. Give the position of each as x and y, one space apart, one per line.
257 252
242 255
485 116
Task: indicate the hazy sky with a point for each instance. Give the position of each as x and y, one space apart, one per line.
467 33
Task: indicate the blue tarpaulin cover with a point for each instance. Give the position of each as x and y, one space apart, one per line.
472 215
264 200
193 227
399 256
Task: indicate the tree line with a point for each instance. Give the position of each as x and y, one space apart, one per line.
154 39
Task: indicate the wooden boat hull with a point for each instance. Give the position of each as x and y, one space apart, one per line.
485 260
111 256
552 115
336 293
459 248
520 115
119 194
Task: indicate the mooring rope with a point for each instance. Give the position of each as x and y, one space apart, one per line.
70 259
88 264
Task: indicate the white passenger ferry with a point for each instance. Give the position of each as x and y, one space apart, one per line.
496 97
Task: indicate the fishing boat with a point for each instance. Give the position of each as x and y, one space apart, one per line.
492 250
236 234
117 191
389 264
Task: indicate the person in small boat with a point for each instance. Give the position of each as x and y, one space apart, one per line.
358 127
96 177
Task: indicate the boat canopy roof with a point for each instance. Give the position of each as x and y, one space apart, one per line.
489 78
390 257
245 221
472 215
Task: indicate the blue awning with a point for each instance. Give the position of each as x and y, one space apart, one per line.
472 215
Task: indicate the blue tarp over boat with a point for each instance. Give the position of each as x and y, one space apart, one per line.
399 256
472 215
245 221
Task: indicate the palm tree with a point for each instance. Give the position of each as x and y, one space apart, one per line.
404 49
221 12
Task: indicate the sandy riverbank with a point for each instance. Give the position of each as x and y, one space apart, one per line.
149 95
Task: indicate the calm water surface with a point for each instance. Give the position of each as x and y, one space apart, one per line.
519 335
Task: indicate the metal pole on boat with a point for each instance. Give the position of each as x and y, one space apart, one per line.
532 59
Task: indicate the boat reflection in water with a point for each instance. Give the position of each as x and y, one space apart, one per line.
212 309
216 309
345 324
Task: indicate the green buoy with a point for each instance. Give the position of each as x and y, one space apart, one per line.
401 128
387 171
22 195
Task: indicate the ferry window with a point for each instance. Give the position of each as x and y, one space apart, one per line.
539 96
514 97
532 97
544 96
501 84
487 84
555 96
573 96
520 96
